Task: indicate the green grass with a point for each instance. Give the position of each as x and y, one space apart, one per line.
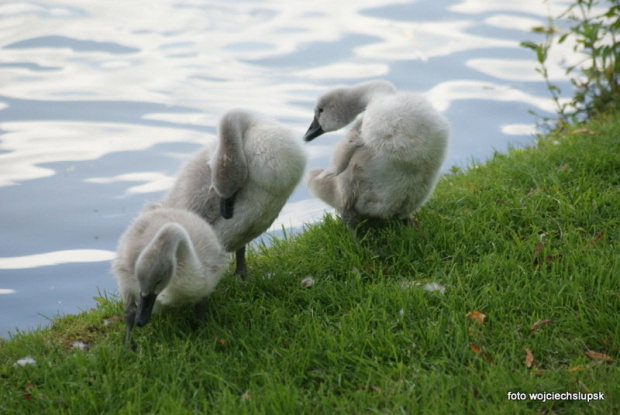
528 236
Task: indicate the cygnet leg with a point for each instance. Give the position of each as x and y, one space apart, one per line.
240 269
201 309
130 319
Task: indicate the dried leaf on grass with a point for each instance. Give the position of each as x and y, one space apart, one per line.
28 390
371 388
474 347
584 387
596 238
539 324
476 316
529 358
599 356
538 248
549 258
583 130
487 357
478 350
218 340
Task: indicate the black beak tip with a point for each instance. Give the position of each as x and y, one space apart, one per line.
141 322
314 131
145 308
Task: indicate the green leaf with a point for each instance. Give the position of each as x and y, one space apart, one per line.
529 45
540 29
554 88
100 300
541 54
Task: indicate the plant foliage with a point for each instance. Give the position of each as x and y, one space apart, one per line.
596 37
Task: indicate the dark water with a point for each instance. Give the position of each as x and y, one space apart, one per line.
101 102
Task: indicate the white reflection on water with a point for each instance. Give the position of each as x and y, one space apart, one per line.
510 21
524 6
444 94
413 40
345 71
519 129
525 69
294 215
27 148
152 181
56 258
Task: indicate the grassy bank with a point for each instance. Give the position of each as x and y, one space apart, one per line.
508 282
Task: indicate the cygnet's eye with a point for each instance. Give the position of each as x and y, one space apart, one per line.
320 110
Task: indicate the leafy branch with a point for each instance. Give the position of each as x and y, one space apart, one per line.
596 37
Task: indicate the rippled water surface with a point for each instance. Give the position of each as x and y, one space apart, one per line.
102 101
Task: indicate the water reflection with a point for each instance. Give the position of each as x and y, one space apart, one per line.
28 152
153 181
444 94
76 45
101 103
56 258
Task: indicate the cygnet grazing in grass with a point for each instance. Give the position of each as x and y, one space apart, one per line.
388 164
240 184
167 258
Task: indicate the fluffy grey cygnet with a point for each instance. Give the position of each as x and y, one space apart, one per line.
167 258
240 184
388 164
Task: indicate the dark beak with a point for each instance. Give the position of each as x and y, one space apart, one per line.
145 309
314 131
227 206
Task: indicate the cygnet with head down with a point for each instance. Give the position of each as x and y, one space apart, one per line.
167 258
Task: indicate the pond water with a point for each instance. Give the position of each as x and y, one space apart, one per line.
101 102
